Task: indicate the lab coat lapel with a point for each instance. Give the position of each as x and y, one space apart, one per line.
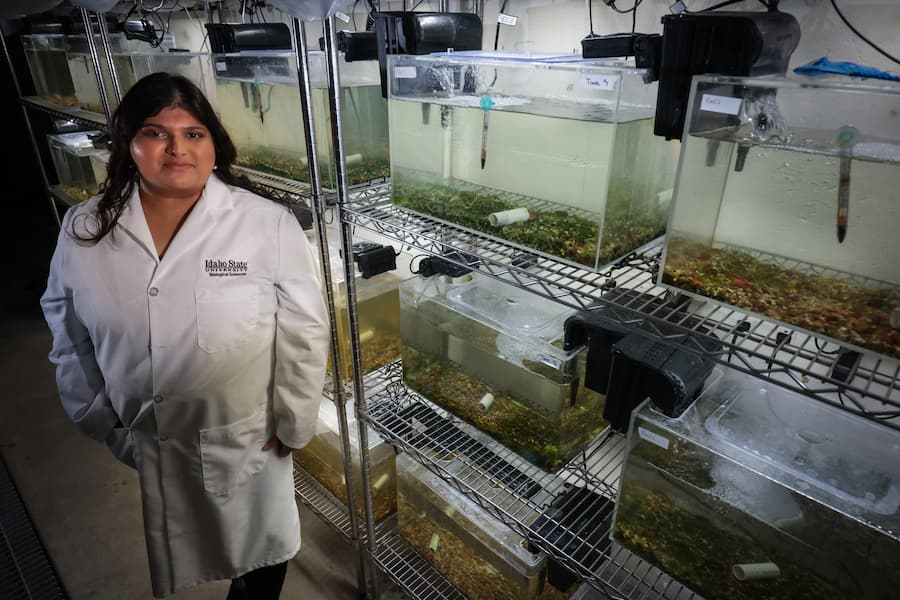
134 223
215 197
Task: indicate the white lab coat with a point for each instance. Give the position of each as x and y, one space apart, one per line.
201 357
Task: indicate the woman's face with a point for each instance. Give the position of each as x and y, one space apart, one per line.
174 154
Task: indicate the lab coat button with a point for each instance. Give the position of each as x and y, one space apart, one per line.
163 438
157 398
153 291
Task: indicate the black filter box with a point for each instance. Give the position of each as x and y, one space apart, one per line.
577 523
235 37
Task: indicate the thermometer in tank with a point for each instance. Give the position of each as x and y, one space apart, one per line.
486 105
844 138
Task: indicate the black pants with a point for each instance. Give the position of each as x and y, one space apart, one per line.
261 584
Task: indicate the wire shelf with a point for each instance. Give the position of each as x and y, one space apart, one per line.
60 194
529 500
406 568
319 500
794 359
67 113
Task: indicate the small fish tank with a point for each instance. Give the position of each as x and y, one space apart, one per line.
556 154
322 459
47 63
761 492
71 154
492 354
378 312
133 59
479 555
259 98
784 204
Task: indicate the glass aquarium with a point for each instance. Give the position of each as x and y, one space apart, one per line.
46 58
493 355
479 555
259 99
133 59
784 204
378 311
554 154
760 492
71 154
323 460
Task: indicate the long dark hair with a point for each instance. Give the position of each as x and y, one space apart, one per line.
147 98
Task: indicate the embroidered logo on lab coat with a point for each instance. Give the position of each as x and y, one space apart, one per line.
225 268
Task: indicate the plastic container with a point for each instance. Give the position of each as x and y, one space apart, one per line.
322 459
555 154
71 154
479 555
46 58
492 355
258 96
760 492
785 206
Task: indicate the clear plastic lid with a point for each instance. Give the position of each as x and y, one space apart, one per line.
328 423
831 451
510 309
78 143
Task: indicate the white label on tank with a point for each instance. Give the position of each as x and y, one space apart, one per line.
220 65
507 19
606 83
720 104
342 16
653 438
404 72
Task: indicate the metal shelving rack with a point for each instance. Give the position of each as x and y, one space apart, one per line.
749 343
760 347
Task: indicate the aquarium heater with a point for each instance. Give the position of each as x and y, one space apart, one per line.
724 43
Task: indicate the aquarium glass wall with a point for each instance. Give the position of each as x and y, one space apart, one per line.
259 99
558 157
492 355
46 58
479 555
322 459
377 307
132 58
71 154
760 492
786 204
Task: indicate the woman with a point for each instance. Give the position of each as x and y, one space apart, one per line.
190 334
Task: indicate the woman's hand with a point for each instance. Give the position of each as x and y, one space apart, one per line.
274 442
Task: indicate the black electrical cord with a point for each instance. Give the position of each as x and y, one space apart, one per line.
633 9
861 36
497 32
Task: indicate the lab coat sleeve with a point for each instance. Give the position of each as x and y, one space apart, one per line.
301 337
78 377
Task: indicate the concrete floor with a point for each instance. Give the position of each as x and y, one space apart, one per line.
86 505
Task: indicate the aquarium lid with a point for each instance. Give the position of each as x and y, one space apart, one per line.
328 423
828 451
509 309
78 142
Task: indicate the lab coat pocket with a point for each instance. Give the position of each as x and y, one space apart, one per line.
232 454
226 316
